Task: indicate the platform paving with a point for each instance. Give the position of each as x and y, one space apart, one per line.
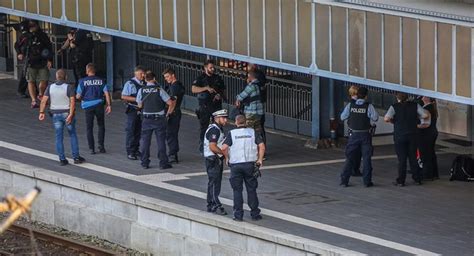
436 217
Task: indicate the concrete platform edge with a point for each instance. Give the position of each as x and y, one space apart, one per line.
70 202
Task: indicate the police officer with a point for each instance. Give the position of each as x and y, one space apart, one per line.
91 90
134 122
176 91
214 158
360 115
405 116
152 100
357 154
427 140
244 149
210 90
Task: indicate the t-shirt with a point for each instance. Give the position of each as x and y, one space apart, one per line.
59 94
213 134
176 91
228 138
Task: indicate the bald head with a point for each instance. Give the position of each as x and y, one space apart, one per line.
61 75
240 120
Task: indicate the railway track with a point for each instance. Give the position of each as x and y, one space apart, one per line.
62 241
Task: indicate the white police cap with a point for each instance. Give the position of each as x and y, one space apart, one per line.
220 113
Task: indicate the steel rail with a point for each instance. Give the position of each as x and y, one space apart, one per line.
72 244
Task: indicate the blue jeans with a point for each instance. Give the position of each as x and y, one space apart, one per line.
59 121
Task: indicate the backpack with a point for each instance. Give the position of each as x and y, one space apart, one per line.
462 168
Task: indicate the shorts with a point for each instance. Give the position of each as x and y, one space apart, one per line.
254 121
37 74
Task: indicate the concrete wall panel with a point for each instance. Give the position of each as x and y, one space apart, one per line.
6 3
85 11
304 33
126 19
392 49
98 13
57 8
409 51
240 27
154 28
32 6
112 15
196 23
339 40
210 10
463 61
445 46
356 45
322 36
427 55
140 17
168 19
288 31
272 30
44 7
374 46
182 20
256 28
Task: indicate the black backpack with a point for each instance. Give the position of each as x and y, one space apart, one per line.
462 168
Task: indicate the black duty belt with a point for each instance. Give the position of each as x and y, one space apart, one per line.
358 131
153 116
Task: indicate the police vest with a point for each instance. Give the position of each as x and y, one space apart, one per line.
358 118
137 85
92 88
405 119
220 141
243 149
152 101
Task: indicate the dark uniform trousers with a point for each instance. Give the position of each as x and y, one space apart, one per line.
358 143
97 112
214 168
205 113
405 146
427 143
239 174
133 129
172 131
157 126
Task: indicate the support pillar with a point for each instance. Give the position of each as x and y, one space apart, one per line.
332 110
110 64
315 107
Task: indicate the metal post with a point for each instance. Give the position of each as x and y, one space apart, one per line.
315 119
110 64
332 110
470 123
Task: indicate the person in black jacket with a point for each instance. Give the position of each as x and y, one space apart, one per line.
428 133
405 116
80 45
38 56
20 47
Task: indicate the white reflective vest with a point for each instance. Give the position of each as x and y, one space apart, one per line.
220 140
243 148
58 97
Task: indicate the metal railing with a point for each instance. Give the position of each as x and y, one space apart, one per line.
286 98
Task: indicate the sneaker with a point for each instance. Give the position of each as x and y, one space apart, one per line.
166 166
63 162
418 182
145 166
220 211
343 184
92 151
237 219
395 183
132 157
257 217
102 150
79 160
173 158
370 184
